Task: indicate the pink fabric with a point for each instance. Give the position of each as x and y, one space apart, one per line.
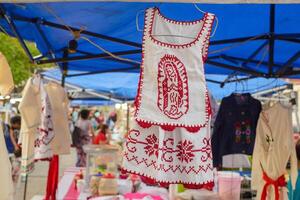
135 196
72 193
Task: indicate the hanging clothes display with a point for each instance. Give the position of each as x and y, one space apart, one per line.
30 108
274 148
235 126
42 148
172 89
214 108
6 183
170 138
44 129
6 78
59 104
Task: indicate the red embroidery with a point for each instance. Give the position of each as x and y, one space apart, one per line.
204 21
166 168
208 21
185 149
152 147
173 98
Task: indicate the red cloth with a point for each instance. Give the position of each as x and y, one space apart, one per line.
52 181
99 138
280 182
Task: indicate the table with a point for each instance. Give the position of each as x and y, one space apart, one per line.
66 187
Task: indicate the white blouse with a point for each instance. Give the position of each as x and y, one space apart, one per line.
274 147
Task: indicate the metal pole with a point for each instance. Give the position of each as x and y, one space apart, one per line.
271 38
64 68
17 34
25 187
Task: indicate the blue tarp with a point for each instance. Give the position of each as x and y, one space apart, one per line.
118 20
124 85
89 102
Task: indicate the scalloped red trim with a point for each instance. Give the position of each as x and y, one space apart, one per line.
206 41
151 181
137 102
184 23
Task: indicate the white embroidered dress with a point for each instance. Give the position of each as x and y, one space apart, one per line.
42 150
172 89
172 102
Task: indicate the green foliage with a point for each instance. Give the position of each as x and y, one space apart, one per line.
20 64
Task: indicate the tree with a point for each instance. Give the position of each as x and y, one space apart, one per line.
19 62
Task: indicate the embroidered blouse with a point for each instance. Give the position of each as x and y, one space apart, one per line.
235 126
274 148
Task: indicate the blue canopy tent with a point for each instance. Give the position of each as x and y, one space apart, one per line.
91 102
123 86
116 87
258 40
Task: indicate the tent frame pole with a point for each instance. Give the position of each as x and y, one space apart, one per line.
244 70
64 68
63 27
12 25
87 57
271 38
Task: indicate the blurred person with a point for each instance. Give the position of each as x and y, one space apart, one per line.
86 134
14 133
15 126
102 138
100 118
93 118
111 121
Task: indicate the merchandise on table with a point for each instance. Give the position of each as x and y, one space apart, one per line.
102 162
274 148
170 138
108 185
235 126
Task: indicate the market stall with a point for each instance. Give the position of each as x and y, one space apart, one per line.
179 137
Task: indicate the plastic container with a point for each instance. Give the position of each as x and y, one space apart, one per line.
108 185
229 185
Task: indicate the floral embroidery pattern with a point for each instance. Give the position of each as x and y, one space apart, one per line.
173 99
184 151
152 147
243 131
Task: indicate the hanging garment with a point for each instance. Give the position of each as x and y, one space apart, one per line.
172 88
59 103
274 147
6 183
173 157
30 109
214 108
235 126
6 78
42 148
